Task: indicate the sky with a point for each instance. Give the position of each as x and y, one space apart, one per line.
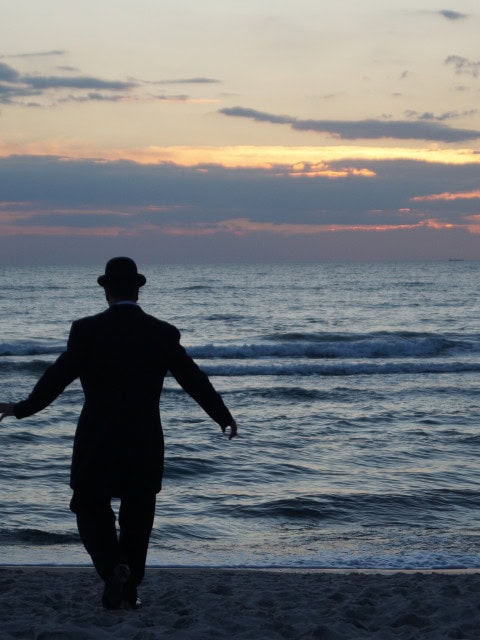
179 131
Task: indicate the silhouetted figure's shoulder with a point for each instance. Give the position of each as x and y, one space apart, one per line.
125 316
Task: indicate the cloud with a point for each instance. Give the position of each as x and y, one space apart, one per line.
15 87
463 66
448 197
189 81
76 82
118 97
10 94
8 73
74 219
181 97
202 212
94 97
37 54
361 129
452 15
324 170
245 226
447 115
131 195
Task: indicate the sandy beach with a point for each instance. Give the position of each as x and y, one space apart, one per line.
43 603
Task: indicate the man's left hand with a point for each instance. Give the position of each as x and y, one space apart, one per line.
6 409
233 429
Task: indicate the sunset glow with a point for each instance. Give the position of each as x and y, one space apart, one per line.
254 157
175 134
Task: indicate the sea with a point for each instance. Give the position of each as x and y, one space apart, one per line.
356 388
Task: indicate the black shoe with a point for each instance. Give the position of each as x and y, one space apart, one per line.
130 599
113 593
129 605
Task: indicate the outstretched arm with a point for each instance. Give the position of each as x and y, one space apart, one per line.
196 383
50 385
6 409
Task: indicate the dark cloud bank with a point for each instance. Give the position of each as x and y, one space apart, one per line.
187 195
91 198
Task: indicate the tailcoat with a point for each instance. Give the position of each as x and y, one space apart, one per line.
121 357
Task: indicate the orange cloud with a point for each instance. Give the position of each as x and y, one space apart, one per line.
447 196
322 169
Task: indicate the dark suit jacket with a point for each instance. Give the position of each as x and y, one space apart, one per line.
121 356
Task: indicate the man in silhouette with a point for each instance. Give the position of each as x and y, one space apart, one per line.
121 357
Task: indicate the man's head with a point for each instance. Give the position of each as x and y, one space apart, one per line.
121 280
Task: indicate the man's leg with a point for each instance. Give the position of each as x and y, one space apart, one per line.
96 526
135 518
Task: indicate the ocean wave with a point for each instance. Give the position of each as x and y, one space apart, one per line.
297 393
328 346
315 346
269 367
196 287
24 366
341 369
387 509
31 348
36 537
178 467
225 317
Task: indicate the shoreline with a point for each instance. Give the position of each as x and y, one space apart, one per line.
244 604
261 569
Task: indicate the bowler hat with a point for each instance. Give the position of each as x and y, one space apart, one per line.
121 270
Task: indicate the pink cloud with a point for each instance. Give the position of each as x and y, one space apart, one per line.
244 226
22 223
447 196
32 230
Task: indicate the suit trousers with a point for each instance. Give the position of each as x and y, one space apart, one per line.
98 532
